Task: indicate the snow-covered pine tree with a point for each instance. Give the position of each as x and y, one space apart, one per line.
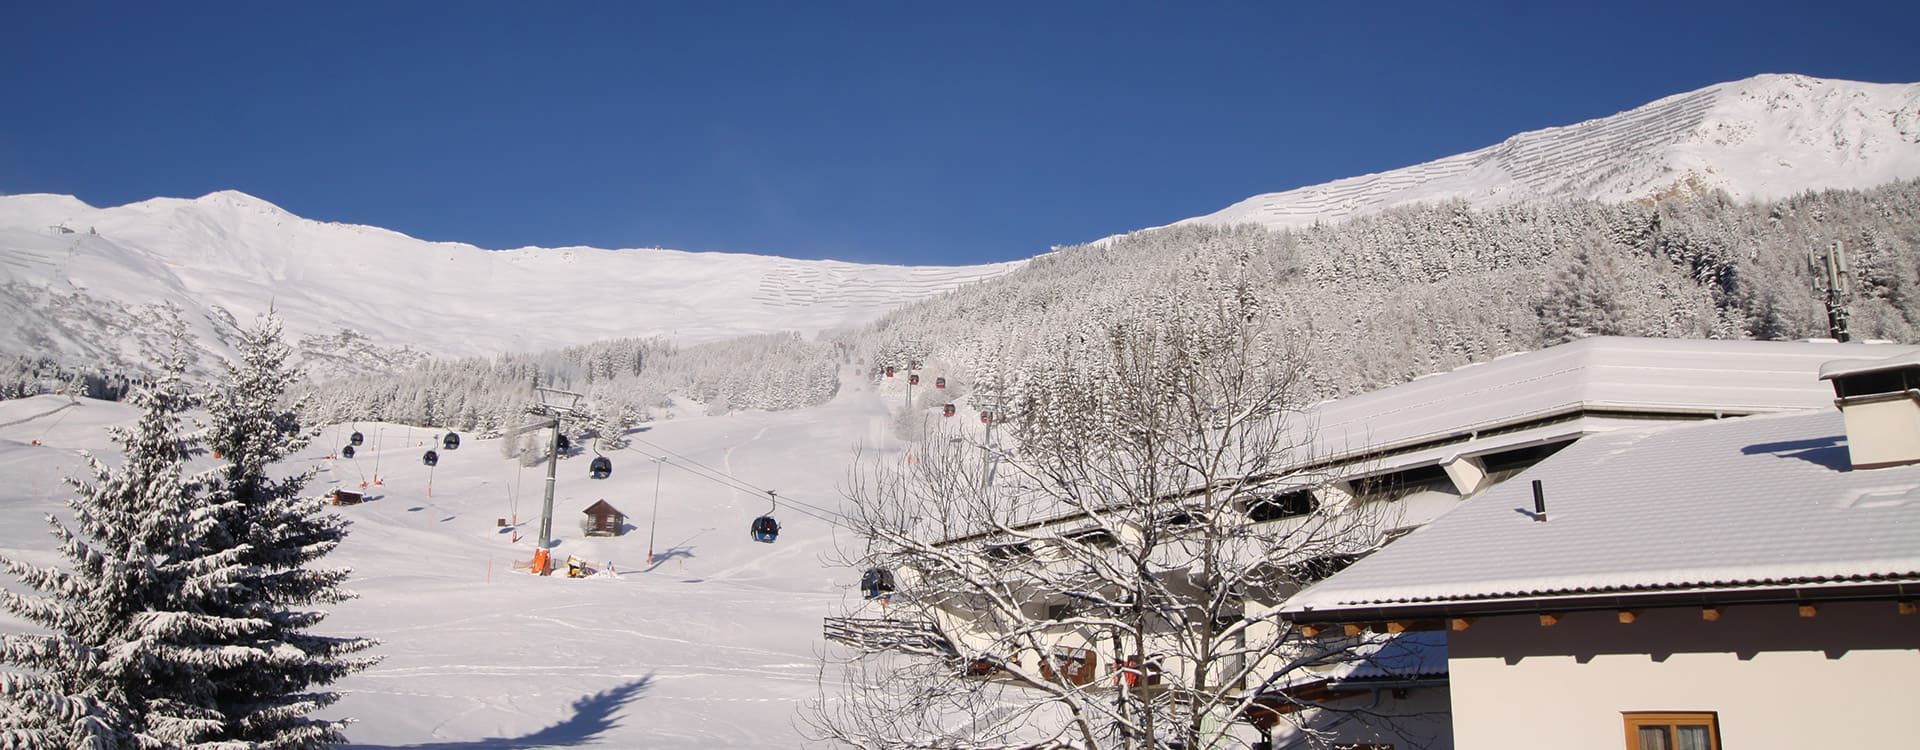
269 689
130 635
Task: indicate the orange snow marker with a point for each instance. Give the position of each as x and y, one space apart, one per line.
363 484
376 480
542 561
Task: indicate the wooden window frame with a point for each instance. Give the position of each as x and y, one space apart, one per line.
1634 720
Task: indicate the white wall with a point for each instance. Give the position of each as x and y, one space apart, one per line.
1846 678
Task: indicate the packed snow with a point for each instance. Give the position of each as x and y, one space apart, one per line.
714 644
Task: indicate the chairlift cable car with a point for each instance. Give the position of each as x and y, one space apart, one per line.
939 382
601 468
356 438
451 442
876 582
946 410
764 528
346 452
430 458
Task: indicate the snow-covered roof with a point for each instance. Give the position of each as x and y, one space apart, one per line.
1844 367
1758 502
1600 374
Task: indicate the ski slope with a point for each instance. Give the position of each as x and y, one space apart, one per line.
713 645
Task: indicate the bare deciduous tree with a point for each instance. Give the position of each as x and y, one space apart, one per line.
1110 580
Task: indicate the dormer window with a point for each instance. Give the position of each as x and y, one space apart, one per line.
1282 505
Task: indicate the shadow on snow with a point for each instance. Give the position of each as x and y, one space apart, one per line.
593 716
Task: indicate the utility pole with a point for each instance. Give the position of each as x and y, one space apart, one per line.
1834 282
912 364
653 523
554 411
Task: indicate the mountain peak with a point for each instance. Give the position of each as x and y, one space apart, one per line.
1758 138
238 200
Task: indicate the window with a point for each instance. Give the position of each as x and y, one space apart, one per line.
1281 505
1399 484
1698 730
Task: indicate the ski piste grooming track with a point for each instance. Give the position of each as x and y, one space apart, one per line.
714 645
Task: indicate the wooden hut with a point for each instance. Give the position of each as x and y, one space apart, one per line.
604 520
346 497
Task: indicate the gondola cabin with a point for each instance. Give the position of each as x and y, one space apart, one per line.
345 497
889 370
346 452
876 583
913 379
939 382
604 520
765 529
986 417
947 410
451 442
356 438
601 468
430 458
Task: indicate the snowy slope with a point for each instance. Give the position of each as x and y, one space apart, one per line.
83 281
1761 138
713 646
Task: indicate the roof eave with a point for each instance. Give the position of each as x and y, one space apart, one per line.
1899 589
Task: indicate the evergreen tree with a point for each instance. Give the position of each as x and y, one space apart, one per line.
268 693
131 629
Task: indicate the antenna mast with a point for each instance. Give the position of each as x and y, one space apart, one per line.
1833 281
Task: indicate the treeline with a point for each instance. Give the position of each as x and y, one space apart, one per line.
625 381
23 376
1382 299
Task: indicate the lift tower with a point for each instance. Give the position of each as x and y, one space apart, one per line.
555 406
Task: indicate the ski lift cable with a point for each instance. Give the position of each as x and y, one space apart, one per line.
722 478
735 481
689 465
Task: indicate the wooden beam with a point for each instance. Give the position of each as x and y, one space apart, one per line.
1459 624
1710 614
1352 629
1907 608
1809 610
1397 626
1312 631
1627 616
1548 619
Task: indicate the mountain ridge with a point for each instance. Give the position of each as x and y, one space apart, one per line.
86 284
1730 137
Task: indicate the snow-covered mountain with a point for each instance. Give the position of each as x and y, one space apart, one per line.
86 284
1762 138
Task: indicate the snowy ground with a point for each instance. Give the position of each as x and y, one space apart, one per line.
714 645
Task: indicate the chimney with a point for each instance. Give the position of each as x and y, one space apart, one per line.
1880 400
1539 502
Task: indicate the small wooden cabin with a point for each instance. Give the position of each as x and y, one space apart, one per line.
605 520
346 497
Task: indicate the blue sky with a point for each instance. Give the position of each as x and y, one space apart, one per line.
894 132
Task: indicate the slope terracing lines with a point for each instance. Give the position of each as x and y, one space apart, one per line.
1580 159
834 287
